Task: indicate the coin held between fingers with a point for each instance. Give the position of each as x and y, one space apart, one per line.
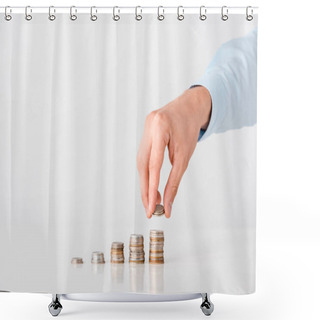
159 211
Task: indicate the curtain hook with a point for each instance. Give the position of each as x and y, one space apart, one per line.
203 12
28 16
138 16
73 16
93 17
116 17
224 13
180 15
51 15
160 16
249 17
7 16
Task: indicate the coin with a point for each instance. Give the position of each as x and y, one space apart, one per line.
97 257
117 252
76 260
136 237
136 249
159 211
156 262
156 254
156 233
117 245
156 247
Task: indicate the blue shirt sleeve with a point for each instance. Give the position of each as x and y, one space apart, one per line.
231 79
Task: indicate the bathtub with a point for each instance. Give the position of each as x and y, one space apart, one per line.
129 297
55 306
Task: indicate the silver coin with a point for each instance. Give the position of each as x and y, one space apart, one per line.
76 260
136 249
155 255
117 245
156 233
159 211
136 237
155 246
136 243
136 258
137 255
97 257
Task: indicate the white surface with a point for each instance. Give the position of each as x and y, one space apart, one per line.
288 186
282 294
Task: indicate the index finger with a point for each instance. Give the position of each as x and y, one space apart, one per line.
155 164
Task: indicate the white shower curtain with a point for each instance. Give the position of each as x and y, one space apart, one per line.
74 96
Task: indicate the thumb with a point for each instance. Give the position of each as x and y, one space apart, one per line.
172 186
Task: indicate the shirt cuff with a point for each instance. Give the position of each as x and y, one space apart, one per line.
214 84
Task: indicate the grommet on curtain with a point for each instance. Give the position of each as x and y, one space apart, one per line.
116 17
180 15
249 17
28 16
93 17
7 16
224 13
203 12
160 16
73 16
52 17
138 16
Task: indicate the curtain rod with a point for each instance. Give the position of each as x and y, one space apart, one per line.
139 11
125 9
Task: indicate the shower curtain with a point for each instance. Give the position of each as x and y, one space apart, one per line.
74 96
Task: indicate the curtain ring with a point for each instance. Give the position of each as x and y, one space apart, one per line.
51 15
249 17
203 12
93 17
138 16
224 13
180 15
73 16
116 17
7 16
160 16
28 16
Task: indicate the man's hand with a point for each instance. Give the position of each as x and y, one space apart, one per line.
176 126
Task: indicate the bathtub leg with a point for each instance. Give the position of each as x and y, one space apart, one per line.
55 306
206 305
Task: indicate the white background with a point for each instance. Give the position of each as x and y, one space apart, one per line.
288 241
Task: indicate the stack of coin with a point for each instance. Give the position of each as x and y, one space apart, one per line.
159 211
97 257
136 248
156 246
76 260
117 252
